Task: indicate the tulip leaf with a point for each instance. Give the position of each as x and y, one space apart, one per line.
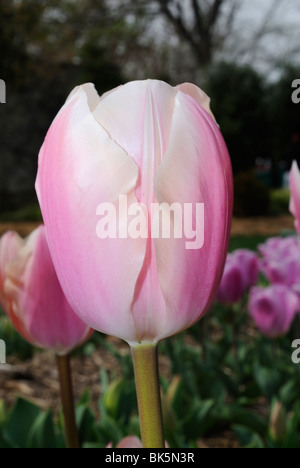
42 432
3 442
235 415
199 419
85 420
247 438
268 379
289 393
93 445
109 430
20 421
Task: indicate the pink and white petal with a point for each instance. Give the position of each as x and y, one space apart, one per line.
139 116
70 189
196 169
130 442
295 194
10 244
38 299
196 93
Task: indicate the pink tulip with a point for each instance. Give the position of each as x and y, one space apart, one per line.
129 442
10 244
241 272
273 309
281 261
279 248
31 294
295 194
150 143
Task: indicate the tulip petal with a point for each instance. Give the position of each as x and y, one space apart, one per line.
10 243
39 309
198 95
295 194
195 169
82 167
144 134
273 309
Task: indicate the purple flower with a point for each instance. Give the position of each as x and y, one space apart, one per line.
273 309
241 272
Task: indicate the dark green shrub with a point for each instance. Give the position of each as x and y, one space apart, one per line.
252 197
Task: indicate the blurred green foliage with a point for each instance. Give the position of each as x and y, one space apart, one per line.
223 375
221 378
280 200
252 197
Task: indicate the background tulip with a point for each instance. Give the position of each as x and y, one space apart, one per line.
152 143
273 309
281 261
10 244
295 194
241 272
128 442
32 297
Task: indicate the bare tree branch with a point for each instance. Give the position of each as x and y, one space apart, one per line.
214 13
198 14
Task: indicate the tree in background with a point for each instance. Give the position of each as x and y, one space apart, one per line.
47 48
285 117
238 96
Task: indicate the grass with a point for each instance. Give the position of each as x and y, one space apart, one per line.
27 214
246 242
280 199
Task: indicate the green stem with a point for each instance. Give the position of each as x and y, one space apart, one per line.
145 359
67 398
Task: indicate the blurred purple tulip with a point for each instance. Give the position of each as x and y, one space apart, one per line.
281 261
241 272
273 309
278 248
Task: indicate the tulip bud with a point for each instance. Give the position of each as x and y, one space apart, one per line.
273 309
112 396
241 272
136 193
278 423
32 296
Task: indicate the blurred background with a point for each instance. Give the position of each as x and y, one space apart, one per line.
245 55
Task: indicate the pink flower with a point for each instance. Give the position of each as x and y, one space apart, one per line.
32 297
273 309
241 272
10 244
281 261
129 442
145 142
295 194
279 248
